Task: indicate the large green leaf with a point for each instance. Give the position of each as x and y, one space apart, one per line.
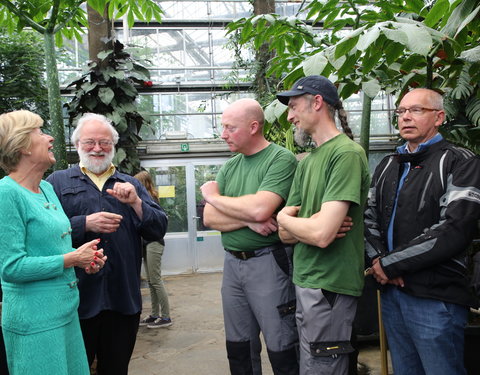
315 64
119 157
371 88
89 86
348 43
419 39
330 54
396 35
473 111
471 55
368 38
467 20
440 9
274 110
106 95
456 20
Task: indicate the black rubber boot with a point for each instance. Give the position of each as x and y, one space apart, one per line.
284 363
238 354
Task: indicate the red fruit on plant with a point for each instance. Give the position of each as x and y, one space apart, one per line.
442 54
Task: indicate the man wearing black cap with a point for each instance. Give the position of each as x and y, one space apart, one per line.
329 184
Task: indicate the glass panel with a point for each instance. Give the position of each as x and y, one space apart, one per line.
380 123
173 196
203 173
212 9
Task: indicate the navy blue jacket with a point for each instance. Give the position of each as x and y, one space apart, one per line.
117 286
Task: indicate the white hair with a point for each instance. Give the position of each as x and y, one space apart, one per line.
93 116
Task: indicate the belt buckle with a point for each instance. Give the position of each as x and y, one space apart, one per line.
243 255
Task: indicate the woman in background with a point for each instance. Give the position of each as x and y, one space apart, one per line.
40 297
153 264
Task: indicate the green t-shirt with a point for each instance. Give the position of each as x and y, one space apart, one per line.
270 169
335 171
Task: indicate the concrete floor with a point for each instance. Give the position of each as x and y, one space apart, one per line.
195 343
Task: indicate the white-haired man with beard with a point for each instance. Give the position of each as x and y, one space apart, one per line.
104 203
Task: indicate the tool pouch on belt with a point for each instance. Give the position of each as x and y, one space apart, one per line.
281 257
330 348
287 308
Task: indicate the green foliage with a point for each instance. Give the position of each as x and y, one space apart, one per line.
109 88
67 18
59 19
22 83
378 45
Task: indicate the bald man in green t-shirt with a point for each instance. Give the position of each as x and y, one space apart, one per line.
257 291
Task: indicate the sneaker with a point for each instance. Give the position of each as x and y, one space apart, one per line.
148 320
160 322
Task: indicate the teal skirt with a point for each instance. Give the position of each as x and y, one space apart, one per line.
58 351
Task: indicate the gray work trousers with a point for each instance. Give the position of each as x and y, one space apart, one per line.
256 294
323 320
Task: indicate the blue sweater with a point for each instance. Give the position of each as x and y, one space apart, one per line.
117 286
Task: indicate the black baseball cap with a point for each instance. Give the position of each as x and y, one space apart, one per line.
315 85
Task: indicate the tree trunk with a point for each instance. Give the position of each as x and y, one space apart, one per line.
54 102
263 55
99 33
365 126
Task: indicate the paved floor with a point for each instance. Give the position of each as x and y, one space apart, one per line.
195 343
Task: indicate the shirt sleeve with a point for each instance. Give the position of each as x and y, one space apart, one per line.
374 245
342 188
279 176
15 262
153 225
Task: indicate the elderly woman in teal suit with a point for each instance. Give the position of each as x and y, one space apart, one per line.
40 297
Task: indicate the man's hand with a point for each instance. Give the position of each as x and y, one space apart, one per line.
288 211
346 227
285 235
377 272
102 222
264 228
209 190
125 192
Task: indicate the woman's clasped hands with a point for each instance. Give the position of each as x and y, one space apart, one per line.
88 257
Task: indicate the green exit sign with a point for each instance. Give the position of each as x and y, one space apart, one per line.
184 147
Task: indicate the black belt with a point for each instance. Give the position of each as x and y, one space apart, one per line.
243 255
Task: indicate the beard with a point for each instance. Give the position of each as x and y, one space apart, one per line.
93 165
301 137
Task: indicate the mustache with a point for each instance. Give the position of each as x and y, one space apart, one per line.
93 153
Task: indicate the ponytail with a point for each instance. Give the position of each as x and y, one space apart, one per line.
342 117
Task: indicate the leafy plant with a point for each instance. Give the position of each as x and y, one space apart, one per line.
22 84
58 19
377 45
109 88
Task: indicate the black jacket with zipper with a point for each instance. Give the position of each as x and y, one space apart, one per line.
435 221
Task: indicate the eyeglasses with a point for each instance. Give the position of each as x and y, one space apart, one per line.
414 111
90 143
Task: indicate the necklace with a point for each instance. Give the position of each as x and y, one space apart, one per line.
47 204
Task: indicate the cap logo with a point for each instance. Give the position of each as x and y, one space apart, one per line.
300 87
